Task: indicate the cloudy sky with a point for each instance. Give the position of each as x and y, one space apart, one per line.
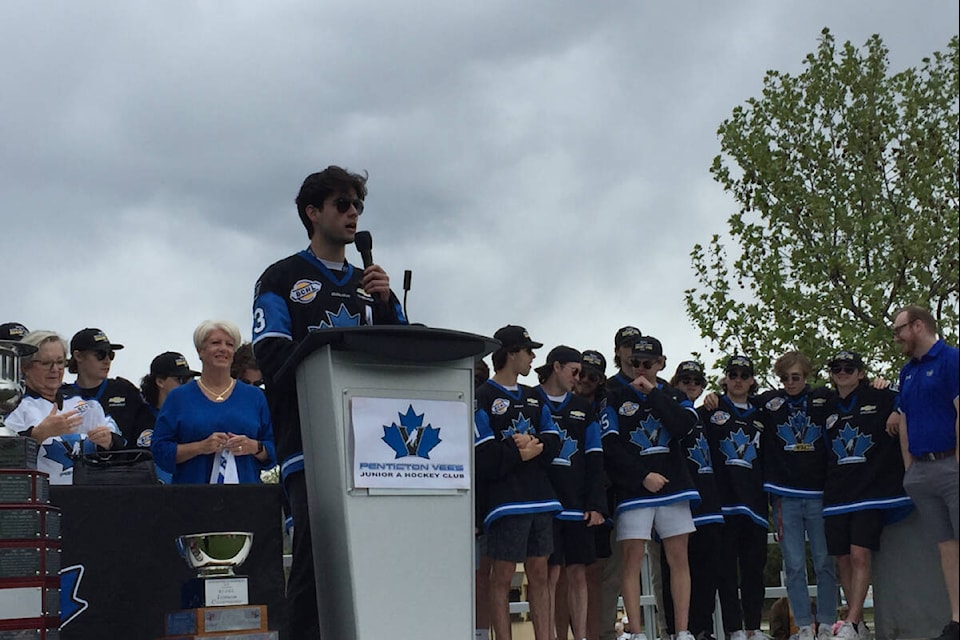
542 163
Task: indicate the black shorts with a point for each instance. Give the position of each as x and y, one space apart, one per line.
860 528
518 537
603 540
573 543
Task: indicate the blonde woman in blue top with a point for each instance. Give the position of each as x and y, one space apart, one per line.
214 429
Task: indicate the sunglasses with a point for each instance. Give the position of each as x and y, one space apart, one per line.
642 364
592 377
103 354
793 377
343 204
696 381
739 375
843 368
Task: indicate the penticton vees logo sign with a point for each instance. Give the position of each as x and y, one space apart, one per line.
411 437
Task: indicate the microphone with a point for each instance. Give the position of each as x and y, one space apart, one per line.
364 243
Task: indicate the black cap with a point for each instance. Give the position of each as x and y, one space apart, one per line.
92 340
13 331
594 359
847 356
514 337
626 335
562 354
171 364
690 368
739 362
647 347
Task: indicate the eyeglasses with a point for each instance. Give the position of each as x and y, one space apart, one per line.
843 368
696 381
343 204
897 328
793 377
103 354
642 364
739 375
60 363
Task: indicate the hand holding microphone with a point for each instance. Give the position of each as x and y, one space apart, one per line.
375 280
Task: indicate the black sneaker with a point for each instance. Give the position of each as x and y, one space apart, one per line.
951 631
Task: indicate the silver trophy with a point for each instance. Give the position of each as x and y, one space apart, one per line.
11 385
215 554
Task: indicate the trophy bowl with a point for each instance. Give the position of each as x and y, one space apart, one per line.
215 553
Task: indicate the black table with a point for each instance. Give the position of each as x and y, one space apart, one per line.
120 556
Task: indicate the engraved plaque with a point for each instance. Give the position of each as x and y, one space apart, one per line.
24 486
39 522
18 453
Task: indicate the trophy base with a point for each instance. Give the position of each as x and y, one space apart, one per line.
240 635
18 452
207 620
216 591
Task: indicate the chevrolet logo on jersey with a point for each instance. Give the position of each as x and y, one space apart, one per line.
305 291
578 415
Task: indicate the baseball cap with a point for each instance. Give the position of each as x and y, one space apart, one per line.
515 337
739 362
626 335
13 331
562 354
92 340
690 368
171 364
847 356
594 359
647 347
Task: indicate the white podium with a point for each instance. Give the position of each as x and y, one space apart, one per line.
387 420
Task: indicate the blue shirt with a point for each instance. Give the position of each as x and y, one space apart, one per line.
189 416
928 388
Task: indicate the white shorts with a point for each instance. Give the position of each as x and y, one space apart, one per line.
670 520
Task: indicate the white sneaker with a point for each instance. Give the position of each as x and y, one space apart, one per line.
825 631
848 631
757 634
684 635
738 635
638 636
806 633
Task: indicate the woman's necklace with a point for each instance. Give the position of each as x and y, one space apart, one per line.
219 396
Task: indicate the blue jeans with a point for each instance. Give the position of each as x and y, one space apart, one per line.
793 517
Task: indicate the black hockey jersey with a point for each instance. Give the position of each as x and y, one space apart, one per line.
641 434
864 463
293 297
735 438
577 470
507 484
793 442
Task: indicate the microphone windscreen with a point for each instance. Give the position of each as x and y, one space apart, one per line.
363 241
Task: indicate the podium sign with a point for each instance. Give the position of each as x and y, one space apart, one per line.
394 553
411 444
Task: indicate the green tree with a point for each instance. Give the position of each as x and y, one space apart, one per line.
847 179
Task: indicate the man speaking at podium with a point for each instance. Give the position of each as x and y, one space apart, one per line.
312 290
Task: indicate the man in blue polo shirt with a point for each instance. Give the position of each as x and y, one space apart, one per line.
930 404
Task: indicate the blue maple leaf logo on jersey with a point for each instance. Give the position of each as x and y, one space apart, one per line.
342 318
739 449
650 436
410 437
700 453
71 605
519 425
63 449
798 433
567 449
851 446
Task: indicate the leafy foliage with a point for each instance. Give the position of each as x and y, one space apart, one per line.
847 182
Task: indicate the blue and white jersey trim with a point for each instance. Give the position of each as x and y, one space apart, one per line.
519 508
744 510
897 502
707 518
293 464
570 514
690 495
790 492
